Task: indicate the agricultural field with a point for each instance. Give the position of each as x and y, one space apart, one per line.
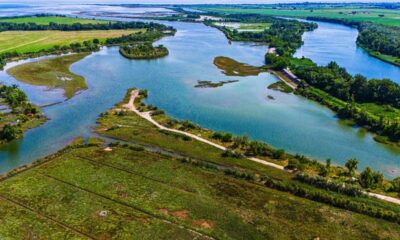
52 73
45 20
33 41
379 16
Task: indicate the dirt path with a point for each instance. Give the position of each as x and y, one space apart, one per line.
147 115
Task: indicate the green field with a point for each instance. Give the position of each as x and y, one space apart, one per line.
127 192
52 73
45 20
88 192
28 42
390 17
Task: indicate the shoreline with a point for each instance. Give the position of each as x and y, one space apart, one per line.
147 116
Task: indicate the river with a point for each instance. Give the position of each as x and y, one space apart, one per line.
289 122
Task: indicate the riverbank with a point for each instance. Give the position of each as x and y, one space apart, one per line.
17 114
200 134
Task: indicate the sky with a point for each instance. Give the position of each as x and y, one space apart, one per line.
185 1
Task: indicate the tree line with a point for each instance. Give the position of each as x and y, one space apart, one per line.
10 26
336 81
284 35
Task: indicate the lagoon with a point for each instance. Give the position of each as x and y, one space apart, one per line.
289 122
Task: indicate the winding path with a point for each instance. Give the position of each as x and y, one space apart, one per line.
147 115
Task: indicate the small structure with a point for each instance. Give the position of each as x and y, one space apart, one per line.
291 76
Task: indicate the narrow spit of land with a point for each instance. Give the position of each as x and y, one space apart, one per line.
147 116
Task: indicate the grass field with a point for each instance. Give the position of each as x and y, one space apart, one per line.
28 42
390 17
48 19
129 194
125 192
52 73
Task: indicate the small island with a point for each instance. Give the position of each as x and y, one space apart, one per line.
143 51
210 84
281 86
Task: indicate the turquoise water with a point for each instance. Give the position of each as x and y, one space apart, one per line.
335 42
289 121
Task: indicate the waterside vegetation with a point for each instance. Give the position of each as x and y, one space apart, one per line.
17 114
143 51
26 39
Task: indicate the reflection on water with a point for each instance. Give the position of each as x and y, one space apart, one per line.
288 121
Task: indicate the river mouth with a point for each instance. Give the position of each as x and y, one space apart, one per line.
244 108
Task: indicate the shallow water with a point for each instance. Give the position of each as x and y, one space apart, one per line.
288 122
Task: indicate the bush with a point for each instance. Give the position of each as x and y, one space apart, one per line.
278 154
370 178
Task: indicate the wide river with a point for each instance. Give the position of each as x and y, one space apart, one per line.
289 122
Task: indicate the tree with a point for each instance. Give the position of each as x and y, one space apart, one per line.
396 184
352 165
9 132
370 179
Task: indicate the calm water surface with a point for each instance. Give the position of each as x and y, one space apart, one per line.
288 122
335 42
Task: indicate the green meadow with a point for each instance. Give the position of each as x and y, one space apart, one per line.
45 20
380 16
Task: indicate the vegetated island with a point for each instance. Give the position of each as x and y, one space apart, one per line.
17 114
281 86
210 84
143 51
52 73
231 67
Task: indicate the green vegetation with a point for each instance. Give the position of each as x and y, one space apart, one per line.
284 35
126 191
281 86
17 114
143 51
209 84
382 97
85 191
379 26
230 67
46 19
379 16
29 39
52 73
23 42
244 27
